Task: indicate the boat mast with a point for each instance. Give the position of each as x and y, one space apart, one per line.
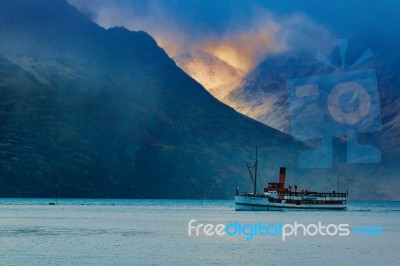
254 181
255 174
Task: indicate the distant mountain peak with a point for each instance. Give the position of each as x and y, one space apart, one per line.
101 112
216 75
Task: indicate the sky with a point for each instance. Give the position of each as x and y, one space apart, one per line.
243 33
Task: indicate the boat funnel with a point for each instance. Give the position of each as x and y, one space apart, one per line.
282 176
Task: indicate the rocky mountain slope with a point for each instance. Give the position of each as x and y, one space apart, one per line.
106 113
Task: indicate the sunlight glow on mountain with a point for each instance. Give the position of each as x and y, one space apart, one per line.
219 48
244 50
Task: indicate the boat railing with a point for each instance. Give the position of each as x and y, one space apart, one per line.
317 194
250 194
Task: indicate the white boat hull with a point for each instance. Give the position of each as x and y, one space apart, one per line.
251 203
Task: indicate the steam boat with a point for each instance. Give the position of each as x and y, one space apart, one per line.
278 197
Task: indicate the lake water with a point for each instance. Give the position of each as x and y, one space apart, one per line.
147 232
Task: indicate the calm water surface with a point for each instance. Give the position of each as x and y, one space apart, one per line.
155 232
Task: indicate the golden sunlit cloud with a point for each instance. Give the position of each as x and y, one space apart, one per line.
218 59
172 45
244 50
243 46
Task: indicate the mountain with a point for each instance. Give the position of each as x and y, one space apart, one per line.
106 113
216 75
263 95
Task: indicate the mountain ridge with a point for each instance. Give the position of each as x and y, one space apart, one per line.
106 113
267 83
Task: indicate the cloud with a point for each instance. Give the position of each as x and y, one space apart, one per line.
245 48
150 16
242 35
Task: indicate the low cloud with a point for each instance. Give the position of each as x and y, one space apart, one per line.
244 49
242 45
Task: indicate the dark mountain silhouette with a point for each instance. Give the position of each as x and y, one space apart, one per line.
106 113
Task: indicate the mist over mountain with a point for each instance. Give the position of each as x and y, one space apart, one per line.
100 112
263 95
216 75
106 113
